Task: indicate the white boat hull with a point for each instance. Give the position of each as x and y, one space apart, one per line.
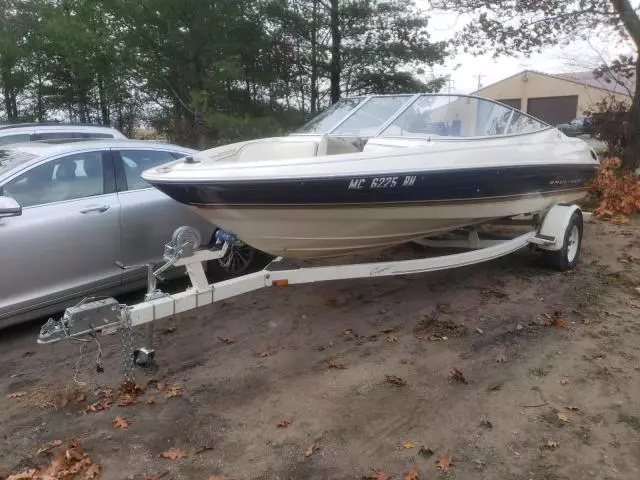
327 231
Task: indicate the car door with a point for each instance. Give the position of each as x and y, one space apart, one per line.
67 239
149 217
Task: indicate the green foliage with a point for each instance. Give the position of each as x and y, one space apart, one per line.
205 72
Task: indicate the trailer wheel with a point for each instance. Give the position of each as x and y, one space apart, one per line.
568 256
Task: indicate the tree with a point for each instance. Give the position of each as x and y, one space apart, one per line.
524 26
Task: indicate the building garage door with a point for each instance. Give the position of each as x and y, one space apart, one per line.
512 102
553 110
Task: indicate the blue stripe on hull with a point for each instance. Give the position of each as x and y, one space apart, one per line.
432 186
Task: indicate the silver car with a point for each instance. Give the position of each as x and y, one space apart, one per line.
31 132
69 211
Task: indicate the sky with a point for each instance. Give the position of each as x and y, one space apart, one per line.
464 68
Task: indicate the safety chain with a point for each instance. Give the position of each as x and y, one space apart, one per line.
127 343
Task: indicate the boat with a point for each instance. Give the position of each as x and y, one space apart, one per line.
376 171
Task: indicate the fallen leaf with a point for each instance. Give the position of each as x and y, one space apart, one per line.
492 387
550 444
127 399
423 335
349 334
266 353
158 476
425 452
17 394
406 361
376 475
203 449
173 454
457 376
173 391
120 422
396 380
445 308
30 474
151 400
501 359
218 477
563 417
80 397
311 449
92 472
388 330
333 364
586 321
49 446
620 219
161 385
392 339
170 329
64 402
407 445
444 462
285 422
106 392
572 408
564 381
130 387
226 340
554 320
411 474
97 406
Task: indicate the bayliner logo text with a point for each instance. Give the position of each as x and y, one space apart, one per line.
381 182
567 181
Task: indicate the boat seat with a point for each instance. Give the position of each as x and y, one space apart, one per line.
293 147
335 146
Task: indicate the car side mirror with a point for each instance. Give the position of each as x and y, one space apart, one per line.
9 207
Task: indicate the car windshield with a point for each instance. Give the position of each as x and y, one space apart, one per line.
12 158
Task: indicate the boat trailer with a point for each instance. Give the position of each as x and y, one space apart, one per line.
555 233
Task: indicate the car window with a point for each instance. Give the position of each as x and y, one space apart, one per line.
52 135
66 178
17 138
137 161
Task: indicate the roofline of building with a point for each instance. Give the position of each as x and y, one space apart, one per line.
557 78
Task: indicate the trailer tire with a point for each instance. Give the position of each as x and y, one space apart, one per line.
569 255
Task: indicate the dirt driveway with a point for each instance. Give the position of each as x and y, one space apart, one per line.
334 380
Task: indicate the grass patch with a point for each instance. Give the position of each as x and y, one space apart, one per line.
631 420
442 328
584 435
540 371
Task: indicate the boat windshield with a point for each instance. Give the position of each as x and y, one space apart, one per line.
327 120
428 115
436 116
